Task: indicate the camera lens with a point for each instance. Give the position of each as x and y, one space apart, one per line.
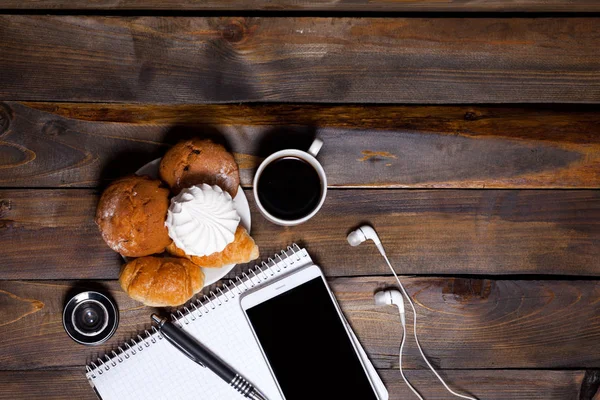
90 318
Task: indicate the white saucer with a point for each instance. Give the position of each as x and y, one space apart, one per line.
240 202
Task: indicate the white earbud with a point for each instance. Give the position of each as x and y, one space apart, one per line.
362 234
389 297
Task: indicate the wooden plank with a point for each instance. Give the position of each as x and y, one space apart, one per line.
307 5
49 385
497 384
463 323
361 60
489 385
425 232
85 145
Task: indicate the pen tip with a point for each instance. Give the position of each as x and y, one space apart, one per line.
155 318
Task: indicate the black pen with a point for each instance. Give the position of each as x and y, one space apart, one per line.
201 355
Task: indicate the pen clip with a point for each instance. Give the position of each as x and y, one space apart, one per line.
184 351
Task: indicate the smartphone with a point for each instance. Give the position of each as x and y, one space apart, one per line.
305 339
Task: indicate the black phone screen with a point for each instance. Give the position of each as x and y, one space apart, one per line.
308 347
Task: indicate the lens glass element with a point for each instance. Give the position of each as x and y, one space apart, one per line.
89 317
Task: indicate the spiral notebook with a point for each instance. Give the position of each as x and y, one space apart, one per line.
149 367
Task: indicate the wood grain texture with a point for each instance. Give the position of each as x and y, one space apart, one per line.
45 385
489 385
307 5
362 60
86 145
463 323
50 234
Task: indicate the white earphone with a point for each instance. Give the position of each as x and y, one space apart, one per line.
363 233
388 297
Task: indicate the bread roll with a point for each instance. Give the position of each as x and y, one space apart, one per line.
131 216
198 161
241 250
161 282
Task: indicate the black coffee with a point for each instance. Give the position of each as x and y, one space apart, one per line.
289 188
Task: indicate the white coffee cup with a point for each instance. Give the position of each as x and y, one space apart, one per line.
308 157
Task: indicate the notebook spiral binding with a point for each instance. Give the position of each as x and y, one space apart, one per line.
200 306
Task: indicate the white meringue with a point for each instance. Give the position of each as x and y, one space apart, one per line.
202 220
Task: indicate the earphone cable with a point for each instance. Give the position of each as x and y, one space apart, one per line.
400 363
417 341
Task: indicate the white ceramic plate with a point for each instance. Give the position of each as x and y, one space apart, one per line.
211 275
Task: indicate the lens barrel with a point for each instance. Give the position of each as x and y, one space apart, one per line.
90 318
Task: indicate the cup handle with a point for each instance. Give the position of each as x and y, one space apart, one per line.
314 148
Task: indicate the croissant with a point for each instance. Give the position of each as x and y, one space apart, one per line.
241 250
161 282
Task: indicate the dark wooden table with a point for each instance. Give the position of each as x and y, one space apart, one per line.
466 132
